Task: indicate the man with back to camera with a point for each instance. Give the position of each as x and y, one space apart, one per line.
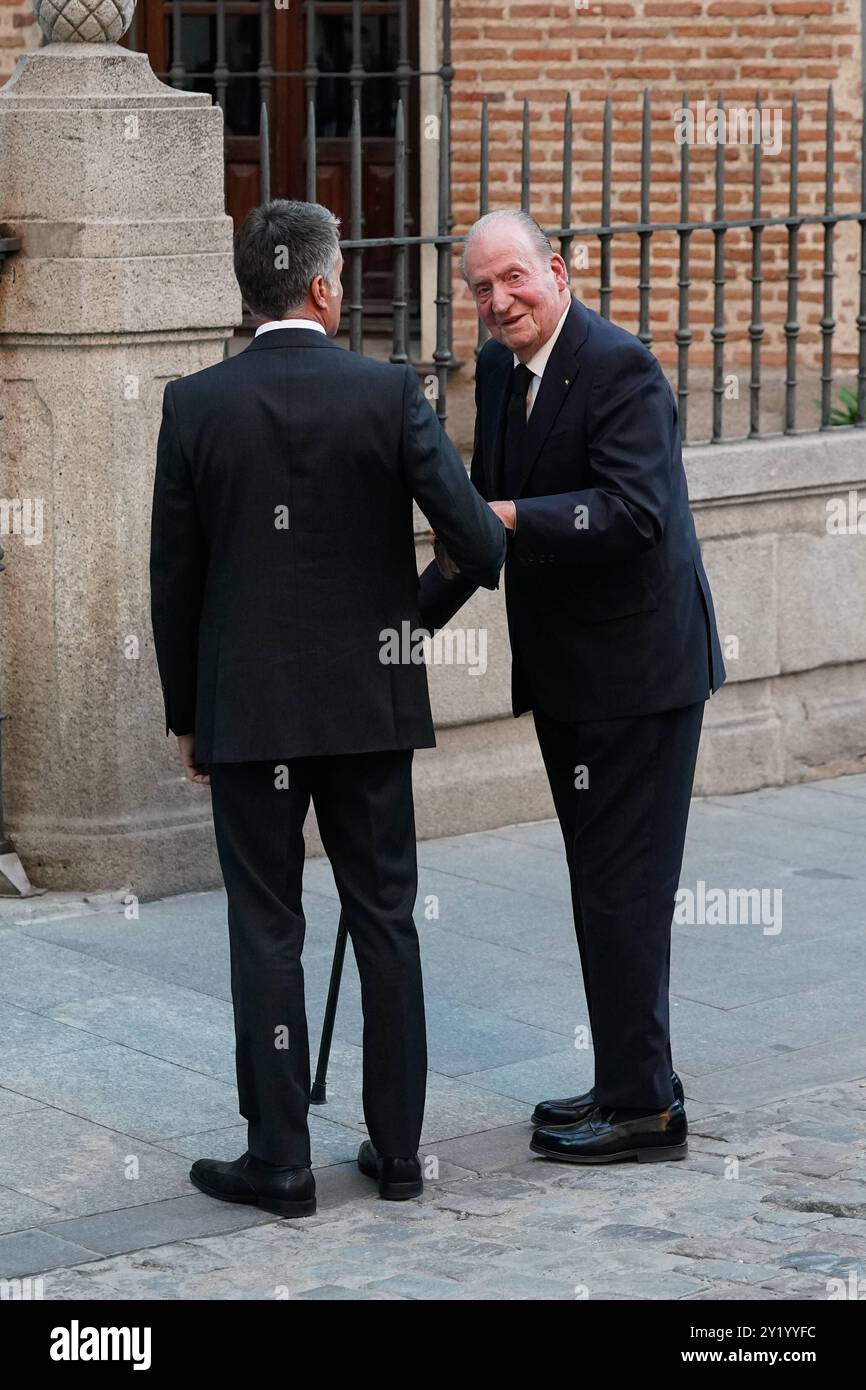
282 547
614 649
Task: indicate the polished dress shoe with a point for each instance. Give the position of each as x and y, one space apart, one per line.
554 1114
398 1178
605 1136
285 1191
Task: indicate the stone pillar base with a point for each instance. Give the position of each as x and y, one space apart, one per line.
114 182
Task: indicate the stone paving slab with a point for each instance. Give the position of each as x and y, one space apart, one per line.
76 1167
805 848
330 1142
18 1211
164 1020
154 1223
766 967
531 1230
118 1070
34 1251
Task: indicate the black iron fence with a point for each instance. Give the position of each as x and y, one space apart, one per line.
604 231
369 81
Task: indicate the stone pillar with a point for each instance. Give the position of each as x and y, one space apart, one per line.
114 182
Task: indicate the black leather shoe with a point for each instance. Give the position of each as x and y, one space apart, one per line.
398 1178
555 1114
602 1139
284 1191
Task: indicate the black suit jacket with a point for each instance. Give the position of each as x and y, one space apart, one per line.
282 547
609 609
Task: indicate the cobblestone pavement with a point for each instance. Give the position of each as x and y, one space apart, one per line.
118 1069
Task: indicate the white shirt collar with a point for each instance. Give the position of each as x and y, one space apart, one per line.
289 323
538 363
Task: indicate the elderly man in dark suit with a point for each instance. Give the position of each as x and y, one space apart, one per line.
282 556
614 648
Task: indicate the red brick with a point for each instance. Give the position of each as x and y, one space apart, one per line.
669 9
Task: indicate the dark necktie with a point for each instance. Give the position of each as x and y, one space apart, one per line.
514 447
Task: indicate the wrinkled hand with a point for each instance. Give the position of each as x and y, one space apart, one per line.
193 771
507 513
447 567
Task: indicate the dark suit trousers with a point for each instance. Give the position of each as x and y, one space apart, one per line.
624 835
365 812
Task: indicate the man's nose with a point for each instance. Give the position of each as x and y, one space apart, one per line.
501 301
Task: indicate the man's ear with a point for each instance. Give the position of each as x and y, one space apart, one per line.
320 292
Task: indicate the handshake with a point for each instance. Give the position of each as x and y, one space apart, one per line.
507 513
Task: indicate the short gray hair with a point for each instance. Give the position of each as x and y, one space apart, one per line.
493 219
280 249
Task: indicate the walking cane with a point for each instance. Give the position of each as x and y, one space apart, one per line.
318 1095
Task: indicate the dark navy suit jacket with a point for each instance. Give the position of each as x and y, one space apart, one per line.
609 609
282 547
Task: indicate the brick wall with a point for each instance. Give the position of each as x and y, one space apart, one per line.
542 49
18 30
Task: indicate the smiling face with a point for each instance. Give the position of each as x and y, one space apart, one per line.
520 294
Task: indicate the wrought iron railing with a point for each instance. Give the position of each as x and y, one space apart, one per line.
604 232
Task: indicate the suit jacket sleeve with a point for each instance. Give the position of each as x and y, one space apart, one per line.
178 567
440 598
630 448
471 533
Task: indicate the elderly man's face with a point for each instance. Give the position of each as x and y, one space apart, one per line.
520 295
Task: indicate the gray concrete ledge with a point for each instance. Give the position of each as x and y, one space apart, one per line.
791 465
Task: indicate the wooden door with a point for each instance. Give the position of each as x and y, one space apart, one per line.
379 54
243 89
246 82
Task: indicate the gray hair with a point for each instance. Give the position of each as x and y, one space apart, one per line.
280 250
522 219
